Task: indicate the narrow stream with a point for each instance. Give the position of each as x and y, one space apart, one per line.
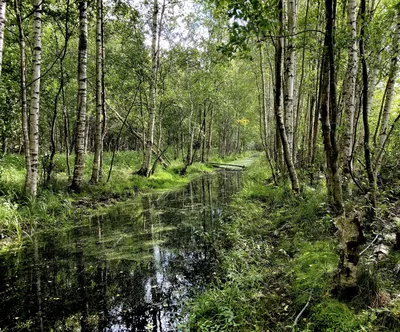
128 270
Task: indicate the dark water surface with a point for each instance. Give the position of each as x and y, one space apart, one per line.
128 270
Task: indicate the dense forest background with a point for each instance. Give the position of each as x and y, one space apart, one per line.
185 79
311 84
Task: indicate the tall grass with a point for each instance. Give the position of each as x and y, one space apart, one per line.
274 251
10 220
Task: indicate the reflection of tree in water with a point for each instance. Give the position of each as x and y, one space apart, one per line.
129 270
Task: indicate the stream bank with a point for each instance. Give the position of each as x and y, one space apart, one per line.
278 260
55 206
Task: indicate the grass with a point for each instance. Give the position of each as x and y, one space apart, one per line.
54 205
278 253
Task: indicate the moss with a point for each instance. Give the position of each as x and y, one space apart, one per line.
332 315
313 269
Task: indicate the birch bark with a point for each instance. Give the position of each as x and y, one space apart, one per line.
287 151
329 111
35 98
365 111
3 5
80 133
290 72
349 87
23 92
390 91
146 165
96 170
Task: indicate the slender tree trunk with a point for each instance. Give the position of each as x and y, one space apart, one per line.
80 132
209 140
380 114
290 73
98 146
334 164
278 109
146 165
329 111
299 107
61 93
23 92
367 152
310 129
349 88
50 165
35 98
380 152
316 115
390 91
66 138
189 157
103 94
204 133
3 4
264 115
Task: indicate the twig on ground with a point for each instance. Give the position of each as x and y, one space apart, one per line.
373 241
302 310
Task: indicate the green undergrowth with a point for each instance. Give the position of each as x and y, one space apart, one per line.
278 256
56 206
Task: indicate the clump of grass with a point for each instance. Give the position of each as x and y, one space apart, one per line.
332 315
198 168
12 176
10 221
312 270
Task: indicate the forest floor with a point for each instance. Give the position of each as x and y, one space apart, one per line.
278 260
55 204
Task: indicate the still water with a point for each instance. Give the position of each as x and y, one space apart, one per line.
130 269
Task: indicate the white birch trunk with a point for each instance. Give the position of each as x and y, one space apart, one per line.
349 87
24 113
77 179
3 5
99 95
290 72
287 151
146 165
35 98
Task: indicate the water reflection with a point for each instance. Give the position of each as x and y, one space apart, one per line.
128 270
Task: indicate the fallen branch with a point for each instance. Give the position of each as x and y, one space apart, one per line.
302 310
373 241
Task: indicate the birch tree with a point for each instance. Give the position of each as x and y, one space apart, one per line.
349 87
96 171
290 73
389 94
329 111
287 151
23 90
77 179
35 99
3 5
365 111
60 94
146 164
